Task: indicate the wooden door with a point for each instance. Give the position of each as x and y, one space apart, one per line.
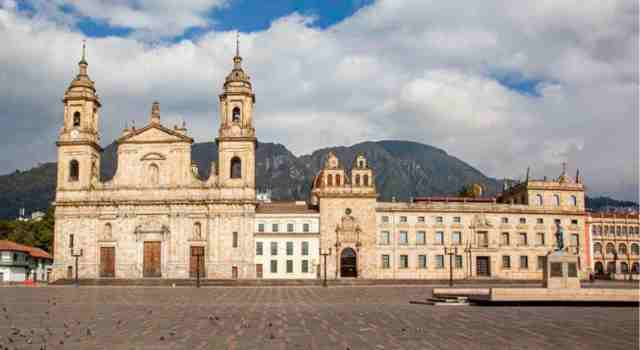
482 266
151 263
107 262
259 270
234 272
197 255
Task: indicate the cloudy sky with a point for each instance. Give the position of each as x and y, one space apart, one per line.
500 84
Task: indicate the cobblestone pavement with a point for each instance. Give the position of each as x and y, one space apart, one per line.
294 318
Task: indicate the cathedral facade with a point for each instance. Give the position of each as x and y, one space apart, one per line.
156 218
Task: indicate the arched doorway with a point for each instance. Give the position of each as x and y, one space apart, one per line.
599 268
348 263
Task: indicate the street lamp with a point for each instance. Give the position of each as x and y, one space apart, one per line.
324 254
76 254
451 251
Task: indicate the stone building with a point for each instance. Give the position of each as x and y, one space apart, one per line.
615 244
156 218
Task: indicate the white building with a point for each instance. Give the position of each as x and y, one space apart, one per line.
287 241
19 263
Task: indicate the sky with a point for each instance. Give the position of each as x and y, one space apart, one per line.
503 85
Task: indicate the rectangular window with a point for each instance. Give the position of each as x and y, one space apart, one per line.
483 240
456 238
274 228
305 227
274 266
575 240
505 220
289 266
421 219
404 238
421 238
439 219
289 248
506 262
404 261
305 266
384 237
505 239
574 222
540 238
523 220
403 219
71 241
260 227
305 248
458 261
439 261
540 220
235 239
289 227
541 261
274 248
457 219
440 237
524 262
556 221
385 261
523 239
422 261
259 248
385 219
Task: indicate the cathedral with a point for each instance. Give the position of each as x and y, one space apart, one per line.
157 218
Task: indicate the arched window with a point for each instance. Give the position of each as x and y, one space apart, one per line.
539 200
556 200
611 267
635 268
357 180
154 174
197 231
624 268
635 249
236 168
330 180
107 234
610 248
76 119
235 115
622 249
74 170
597 248
573 200
365 180
338 178
599 268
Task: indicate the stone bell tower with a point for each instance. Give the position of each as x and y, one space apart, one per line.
237 136
78 142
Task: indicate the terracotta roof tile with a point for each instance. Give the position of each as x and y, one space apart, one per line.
16 247
285 208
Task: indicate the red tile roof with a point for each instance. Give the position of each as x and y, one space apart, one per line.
16 247
285 208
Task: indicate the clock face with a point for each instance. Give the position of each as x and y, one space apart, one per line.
74 134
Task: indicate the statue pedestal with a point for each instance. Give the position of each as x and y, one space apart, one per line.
561 270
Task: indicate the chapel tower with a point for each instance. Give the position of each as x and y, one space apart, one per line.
237 136
78 142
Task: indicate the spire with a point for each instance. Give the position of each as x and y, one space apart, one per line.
83 61
237 60
155 113
528 170
577 175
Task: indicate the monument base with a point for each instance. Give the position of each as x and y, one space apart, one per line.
561 270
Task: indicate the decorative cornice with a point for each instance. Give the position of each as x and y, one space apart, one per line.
79 143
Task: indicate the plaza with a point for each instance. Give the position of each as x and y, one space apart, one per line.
309 317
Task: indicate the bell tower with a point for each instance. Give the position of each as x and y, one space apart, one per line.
78 141
237 136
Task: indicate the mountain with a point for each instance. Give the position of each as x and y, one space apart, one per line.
402 170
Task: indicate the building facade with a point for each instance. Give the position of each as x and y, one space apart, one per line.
20 263
615 244
157 218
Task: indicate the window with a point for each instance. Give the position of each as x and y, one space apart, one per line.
622 249
575 240
539 200
421 219
483 240
524 262
305 248
76 119
154 174
523 239
365 179
260 227
456 238
384 237
439 261
523 221
236 168
420 238
440 237
274 266
274 248
624 268
540 238
385 219
404 239
574 221
330 180
610 248
573 200
274 228
305 266
457 219
403 219
458 261
422 261
505 238
235 115
71 241
74 170
556 200
541 262
506 262
289 227
504 220
358 180
259 248
557 221
385 261
289 248
235 239
539 221
635 249
439 219
338 182
598 248
289 266
305 227
404 261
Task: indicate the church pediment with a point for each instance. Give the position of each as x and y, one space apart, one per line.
154 134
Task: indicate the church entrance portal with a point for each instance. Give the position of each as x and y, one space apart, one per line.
348 263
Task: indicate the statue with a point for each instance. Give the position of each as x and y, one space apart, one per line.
559 237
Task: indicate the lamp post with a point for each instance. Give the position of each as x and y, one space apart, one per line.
324 254
76 254
451 251
198 254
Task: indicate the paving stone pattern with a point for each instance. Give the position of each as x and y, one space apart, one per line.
307 318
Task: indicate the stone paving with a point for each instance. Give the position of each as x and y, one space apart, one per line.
377 317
